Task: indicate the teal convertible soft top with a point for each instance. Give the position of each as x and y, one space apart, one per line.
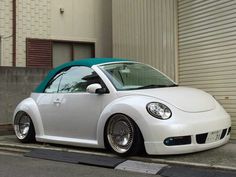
89 62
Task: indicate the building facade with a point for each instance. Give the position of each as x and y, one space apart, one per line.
47 33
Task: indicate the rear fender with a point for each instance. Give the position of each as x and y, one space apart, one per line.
29 106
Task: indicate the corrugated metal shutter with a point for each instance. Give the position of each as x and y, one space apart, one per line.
207 49
145 30
39 53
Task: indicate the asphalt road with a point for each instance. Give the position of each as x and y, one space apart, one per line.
18 166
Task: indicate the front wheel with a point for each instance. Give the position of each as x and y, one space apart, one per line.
24 128
123 136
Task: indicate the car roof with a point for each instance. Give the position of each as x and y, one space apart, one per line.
89 62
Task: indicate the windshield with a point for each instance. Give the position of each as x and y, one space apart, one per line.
130 76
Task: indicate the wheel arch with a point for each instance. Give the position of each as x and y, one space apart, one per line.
107 121
30 107
129 106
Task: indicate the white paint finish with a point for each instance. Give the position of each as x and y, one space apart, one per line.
69 116
207 50
93 88
198 101
29 106
140 167
79 123
68 141
146 31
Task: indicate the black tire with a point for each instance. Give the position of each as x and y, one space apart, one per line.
134 138
24 128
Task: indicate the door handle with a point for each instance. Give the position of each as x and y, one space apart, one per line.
57 101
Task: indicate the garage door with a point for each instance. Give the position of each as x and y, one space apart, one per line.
207 49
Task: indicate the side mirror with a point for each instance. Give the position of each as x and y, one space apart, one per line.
95 88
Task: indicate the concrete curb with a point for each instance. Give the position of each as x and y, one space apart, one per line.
31 147
173 162
26 148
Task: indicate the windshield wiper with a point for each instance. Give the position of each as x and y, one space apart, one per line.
174 85
156 86
152 86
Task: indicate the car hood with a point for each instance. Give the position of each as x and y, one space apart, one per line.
183 98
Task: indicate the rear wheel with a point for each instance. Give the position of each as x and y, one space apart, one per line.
123 136
24 128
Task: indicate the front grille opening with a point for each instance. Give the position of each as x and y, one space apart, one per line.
180 140
229 130
223 133
201 138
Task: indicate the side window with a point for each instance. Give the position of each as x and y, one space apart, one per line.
53 85
76 79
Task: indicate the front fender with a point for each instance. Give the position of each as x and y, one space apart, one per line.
29 106
132 106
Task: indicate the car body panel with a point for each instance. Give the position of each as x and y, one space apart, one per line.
63 113
29 106
194 100
62 118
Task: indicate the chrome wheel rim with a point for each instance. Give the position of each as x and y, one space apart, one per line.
120 133
22 126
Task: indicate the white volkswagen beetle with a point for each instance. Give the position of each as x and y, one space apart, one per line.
122 105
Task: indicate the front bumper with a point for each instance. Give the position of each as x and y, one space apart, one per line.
159 148
196 126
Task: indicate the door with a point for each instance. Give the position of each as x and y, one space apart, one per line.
70 111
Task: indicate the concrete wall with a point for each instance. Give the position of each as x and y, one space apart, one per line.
15 85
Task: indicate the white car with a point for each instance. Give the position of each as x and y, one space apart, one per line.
121 105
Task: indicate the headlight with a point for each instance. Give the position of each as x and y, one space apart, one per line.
159 110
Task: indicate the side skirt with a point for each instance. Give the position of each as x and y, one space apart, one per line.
69 141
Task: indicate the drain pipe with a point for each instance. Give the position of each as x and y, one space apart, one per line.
14 33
